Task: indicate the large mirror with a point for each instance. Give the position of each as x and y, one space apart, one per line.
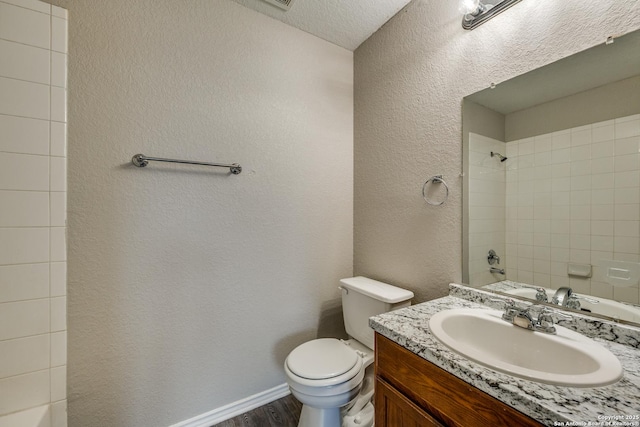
551 196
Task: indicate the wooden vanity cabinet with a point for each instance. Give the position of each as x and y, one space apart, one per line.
412 392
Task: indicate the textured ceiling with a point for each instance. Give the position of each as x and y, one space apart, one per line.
345 23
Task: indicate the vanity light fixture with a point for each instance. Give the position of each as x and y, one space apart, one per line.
477 12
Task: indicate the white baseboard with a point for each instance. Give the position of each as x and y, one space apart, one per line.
236 408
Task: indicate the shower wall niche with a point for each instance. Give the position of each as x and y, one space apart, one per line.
33 337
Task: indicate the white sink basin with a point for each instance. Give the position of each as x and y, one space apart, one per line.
565 359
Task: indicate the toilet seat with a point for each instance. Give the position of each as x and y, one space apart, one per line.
321 359
323 362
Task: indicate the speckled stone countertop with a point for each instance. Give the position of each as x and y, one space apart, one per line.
616 404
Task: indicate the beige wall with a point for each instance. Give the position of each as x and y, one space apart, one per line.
410 78
618 99
188 286
482 121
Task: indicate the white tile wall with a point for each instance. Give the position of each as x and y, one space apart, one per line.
58 349
24 62
58 139
39 416
24 245
24 391
24 209
24 282
581 194
487 213
59 414
24 135
25 99
24 26
24 172
24 318
12 355
33 338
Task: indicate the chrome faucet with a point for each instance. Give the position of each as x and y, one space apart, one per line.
561 297
545 322
541 293
574 303
497 270
522 317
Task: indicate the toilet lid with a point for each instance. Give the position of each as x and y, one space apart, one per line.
321 359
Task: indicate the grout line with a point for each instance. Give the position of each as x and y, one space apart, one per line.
26 117
26 409
27 8
38 191
28 81
29 154
28 373
29 336
28 263
25 300
26 44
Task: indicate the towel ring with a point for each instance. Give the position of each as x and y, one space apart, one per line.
435 179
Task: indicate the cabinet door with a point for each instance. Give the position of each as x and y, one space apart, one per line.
395 410
446 398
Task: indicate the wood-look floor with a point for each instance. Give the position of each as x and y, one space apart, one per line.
283 412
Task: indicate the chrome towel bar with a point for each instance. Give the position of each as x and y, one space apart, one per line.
141 161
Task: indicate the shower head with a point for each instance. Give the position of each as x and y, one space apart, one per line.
502 158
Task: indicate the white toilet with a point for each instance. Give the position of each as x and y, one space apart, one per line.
326 375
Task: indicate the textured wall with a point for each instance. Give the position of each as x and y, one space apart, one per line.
410 78
188 286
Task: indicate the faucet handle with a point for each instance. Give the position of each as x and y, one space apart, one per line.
492 257
547 315
546 322
574 303
541 293
510 308
587 299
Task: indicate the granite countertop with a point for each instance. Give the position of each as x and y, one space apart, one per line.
618 404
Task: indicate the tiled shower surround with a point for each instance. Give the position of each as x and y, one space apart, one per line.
571 196
33 337
487 200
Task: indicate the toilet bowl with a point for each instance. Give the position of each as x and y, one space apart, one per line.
326 375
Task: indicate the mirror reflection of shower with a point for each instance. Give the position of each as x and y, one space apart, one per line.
498 155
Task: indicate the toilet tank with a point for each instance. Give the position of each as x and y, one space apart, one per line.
363 298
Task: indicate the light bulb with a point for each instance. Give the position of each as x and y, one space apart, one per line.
468 6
